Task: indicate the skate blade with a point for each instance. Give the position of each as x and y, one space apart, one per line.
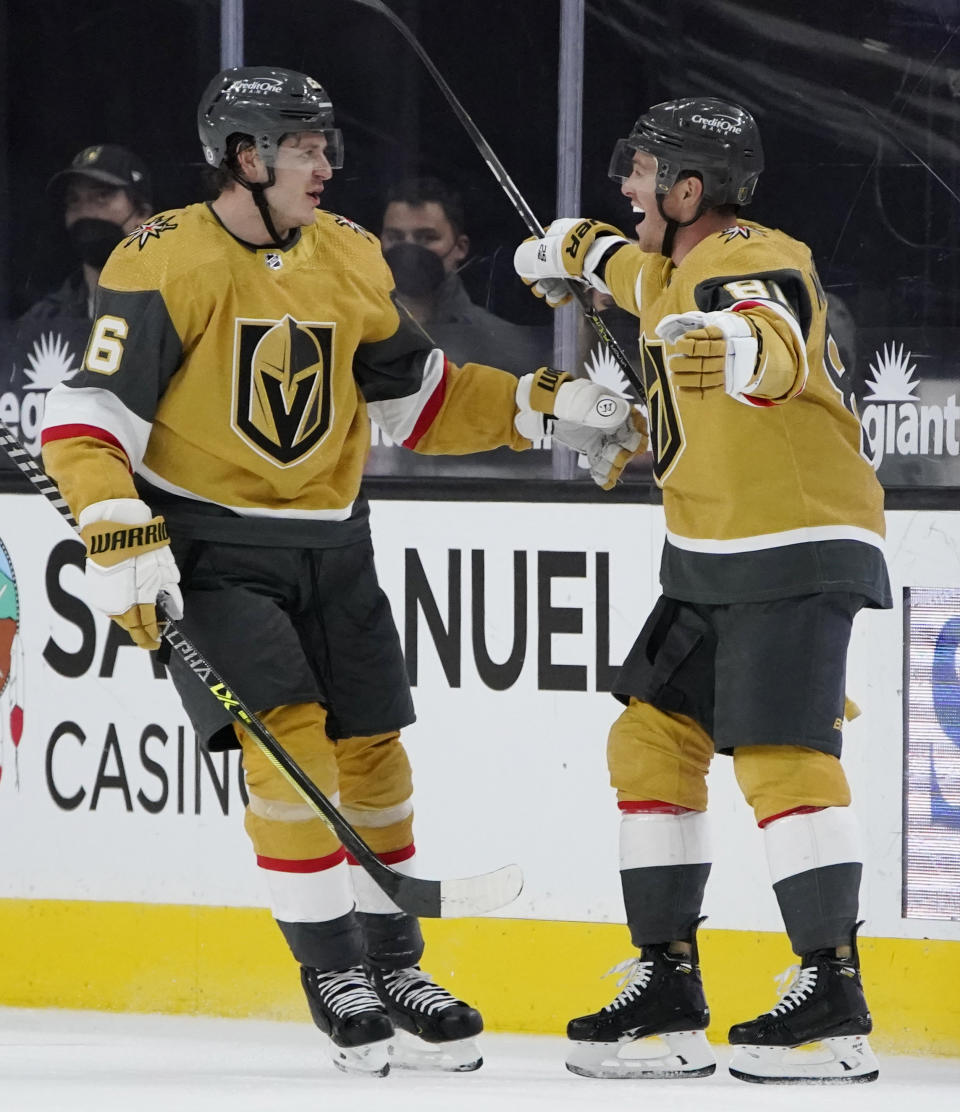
657 1057
370 1060
408 1052
843 1060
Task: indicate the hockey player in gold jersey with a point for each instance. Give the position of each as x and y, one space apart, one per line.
774 542
238 352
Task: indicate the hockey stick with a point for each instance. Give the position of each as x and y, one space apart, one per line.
431 899
581 294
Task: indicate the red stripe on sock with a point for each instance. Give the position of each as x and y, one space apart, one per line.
792 811
310 865
391 857
652 807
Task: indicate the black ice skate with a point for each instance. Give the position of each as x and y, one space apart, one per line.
655 1026
345 1006
435 1030
818 1031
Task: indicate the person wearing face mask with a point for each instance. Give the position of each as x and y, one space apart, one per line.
104 194
425 244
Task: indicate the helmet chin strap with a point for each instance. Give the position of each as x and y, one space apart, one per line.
670 232
258 191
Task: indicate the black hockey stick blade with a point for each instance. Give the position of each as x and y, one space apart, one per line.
579 290
431 899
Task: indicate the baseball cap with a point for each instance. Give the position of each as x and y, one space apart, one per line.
108 163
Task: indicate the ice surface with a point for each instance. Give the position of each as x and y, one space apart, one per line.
59 1061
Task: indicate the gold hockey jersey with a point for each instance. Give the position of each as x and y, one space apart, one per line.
238 382
764 497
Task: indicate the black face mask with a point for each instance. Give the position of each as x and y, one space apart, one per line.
417 271
93 240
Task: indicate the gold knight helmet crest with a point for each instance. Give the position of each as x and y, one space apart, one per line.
288 370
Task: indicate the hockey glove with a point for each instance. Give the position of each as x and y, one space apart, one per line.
710 350
549 393
606 452
569 248
129 563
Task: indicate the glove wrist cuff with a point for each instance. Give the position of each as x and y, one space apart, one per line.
544 386
109 543
595 260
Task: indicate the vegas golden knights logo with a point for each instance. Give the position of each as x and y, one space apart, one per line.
283 390
666 435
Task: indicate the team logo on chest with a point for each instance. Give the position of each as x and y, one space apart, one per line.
666 432
283 390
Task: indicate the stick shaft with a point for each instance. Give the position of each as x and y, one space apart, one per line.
509 187
416 896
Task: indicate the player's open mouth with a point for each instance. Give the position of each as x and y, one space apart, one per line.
638 213
315 194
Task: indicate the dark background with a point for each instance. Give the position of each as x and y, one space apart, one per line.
858 105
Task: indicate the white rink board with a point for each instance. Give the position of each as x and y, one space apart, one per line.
501 775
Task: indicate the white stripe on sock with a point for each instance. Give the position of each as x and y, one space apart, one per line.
649 840
798 843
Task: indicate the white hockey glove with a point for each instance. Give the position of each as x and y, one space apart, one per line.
720 349
606 452
129 564
569 248
549 393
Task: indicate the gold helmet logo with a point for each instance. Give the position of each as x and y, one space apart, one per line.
284 388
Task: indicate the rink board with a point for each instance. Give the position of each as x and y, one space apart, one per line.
120 838
524 975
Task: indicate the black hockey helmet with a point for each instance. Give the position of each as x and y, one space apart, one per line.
714 139
265 103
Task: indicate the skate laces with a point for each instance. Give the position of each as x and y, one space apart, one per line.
412 988
346 992
794 985
634 977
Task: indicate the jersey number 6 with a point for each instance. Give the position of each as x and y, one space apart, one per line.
105 349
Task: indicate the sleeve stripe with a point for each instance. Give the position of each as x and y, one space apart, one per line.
406 419
429 411
98 409
68 432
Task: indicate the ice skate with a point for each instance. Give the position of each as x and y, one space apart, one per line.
434 1030
817 1033
653 1029
347 1009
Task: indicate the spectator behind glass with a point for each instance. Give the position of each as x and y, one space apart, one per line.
104 194
425 244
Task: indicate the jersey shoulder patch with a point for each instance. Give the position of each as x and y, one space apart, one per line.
346 222
333 223
168 242
348 244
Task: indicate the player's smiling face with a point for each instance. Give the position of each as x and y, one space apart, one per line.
302 170
640 190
